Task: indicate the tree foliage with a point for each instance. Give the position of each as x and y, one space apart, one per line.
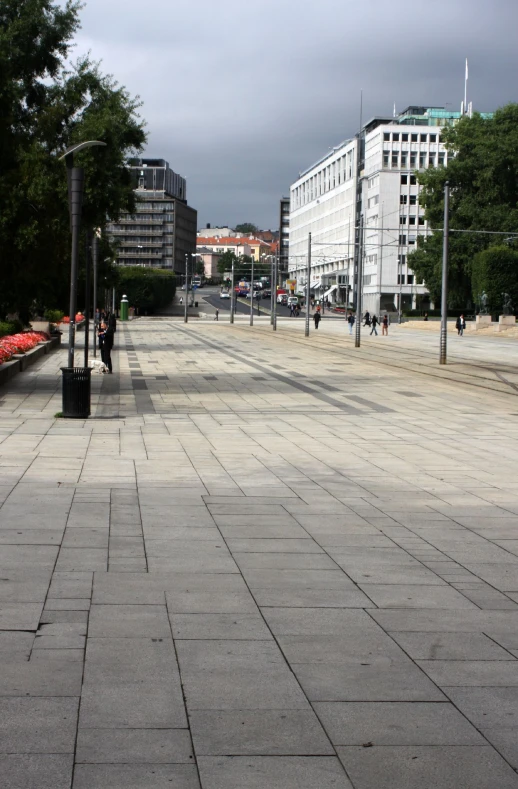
483 178
46 105
495 272
147 289
246 227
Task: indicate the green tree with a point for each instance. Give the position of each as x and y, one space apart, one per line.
495 272
246 227
147 289
46 106
483 178
240 263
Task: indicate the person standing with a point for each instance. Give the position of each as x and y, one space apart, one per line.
460 325
374 322
350 321
112 322
367 319
384 325
317 318
106 345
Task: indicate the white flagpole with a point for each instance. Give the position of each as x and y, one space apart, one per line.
466 89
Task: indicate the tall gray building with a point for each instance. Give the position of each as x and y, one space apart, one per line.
284 234
163 228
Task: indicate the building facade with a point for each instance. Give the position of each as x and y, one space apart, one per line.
163 228
370 178
284 234
239 245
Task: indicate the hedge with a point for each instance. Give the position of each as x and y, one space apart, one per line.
146 289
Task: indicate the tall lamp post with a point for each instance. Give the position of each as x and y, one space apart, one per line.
75 176
232 294
308 287
252 295
185 308
444 291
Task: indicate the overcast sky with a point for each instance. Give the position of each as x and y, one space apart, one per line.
240 95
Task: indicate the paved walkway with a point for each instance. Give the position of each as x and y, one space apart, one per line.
265 563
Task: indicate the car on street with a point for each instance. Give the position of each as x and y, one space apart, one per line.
267 294
282 298
224 294
293 300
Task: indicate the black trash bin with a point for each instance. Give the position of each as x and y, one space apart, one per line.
76 392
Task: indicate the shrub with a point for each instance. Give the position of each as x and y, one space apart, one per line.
53 316
147 289
495 272
10 327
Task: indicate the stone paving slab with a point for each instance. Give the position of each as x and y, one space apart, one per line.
260 564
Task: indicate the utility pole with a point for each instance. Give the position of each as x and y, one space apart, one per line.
185 308
381 261
308 287
252 295
232 295
88 238
274 310
95 256
359 287
444 291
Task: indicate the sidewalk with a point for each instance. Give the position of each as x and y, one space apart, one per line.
259 565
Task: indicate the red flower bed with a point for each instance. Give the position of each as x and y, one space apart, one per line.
20 343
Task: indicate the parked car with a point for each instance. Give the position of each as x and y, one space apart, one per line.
293 300
282 298
267 294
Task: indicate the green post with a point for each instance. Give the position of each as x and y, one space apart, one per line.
124 309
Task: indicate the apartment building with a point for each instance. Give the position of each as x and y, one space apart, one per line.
163 228
284 234
372 177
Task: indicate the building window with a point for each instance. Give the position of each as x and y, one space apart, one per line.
442 158
400 279
431 161
402 241
404 137
403 199
395 137
411 220
411 239
402 220
395 158
424 137
413 199
386 136
421 220
413 180
433 137
413 160
414 137
386 158
404 179
409 279
403 159
422 160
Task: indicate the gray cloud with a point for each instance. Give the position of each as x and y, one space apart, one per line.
239 96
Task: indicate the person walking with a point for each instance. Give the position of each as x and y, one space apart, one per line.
367 319
460 325
106 345
374 322
317 318
350 321
384 325
216 316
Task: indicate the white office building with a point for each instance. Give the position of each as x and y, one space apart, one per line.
329 198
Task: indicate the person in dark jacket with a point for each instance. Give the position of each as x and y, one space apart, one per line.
112 322
317 318
106 345
374 323
460 325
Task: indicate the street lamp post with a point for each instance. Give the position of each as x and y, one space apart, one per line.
359 286
185 309
95 258
232 294
444 291
252 295
75 177
308 287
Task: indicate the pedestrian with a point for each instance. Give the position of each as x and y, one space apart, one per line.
317 318
106 344
374 322
350 321
425 316
367 319
460 325
216 316
292 310
384 325
112 322
181 299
